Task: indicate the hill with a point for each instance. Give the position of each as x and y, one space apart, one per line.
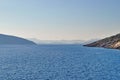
109 42
7 39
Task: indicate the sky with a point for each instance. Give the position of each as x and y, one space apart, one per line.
60 19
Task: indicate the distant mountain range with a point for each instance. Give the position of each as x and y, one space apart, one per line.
109 42
8 40
57 41
82 42
11 40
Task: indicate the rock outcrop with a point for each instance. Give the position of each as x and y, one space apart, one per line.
109 42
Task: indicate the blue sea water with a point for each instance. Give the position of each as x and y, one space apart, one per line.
58 62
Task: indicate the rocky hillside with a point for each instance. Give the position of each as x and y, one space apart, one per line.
7 40
109 42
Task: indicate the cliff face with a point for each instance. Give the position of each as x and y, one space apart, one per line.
11 40
109 42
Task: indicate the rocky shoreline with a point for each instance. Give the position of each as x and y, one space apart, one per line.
112 42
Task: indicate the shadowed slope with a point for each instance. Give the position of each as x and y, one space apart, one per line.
6 39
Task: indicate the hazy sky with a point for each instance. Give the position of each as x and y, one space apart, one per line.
60 19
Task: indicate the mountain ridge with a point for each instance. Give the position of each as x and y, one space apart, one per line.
9 39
